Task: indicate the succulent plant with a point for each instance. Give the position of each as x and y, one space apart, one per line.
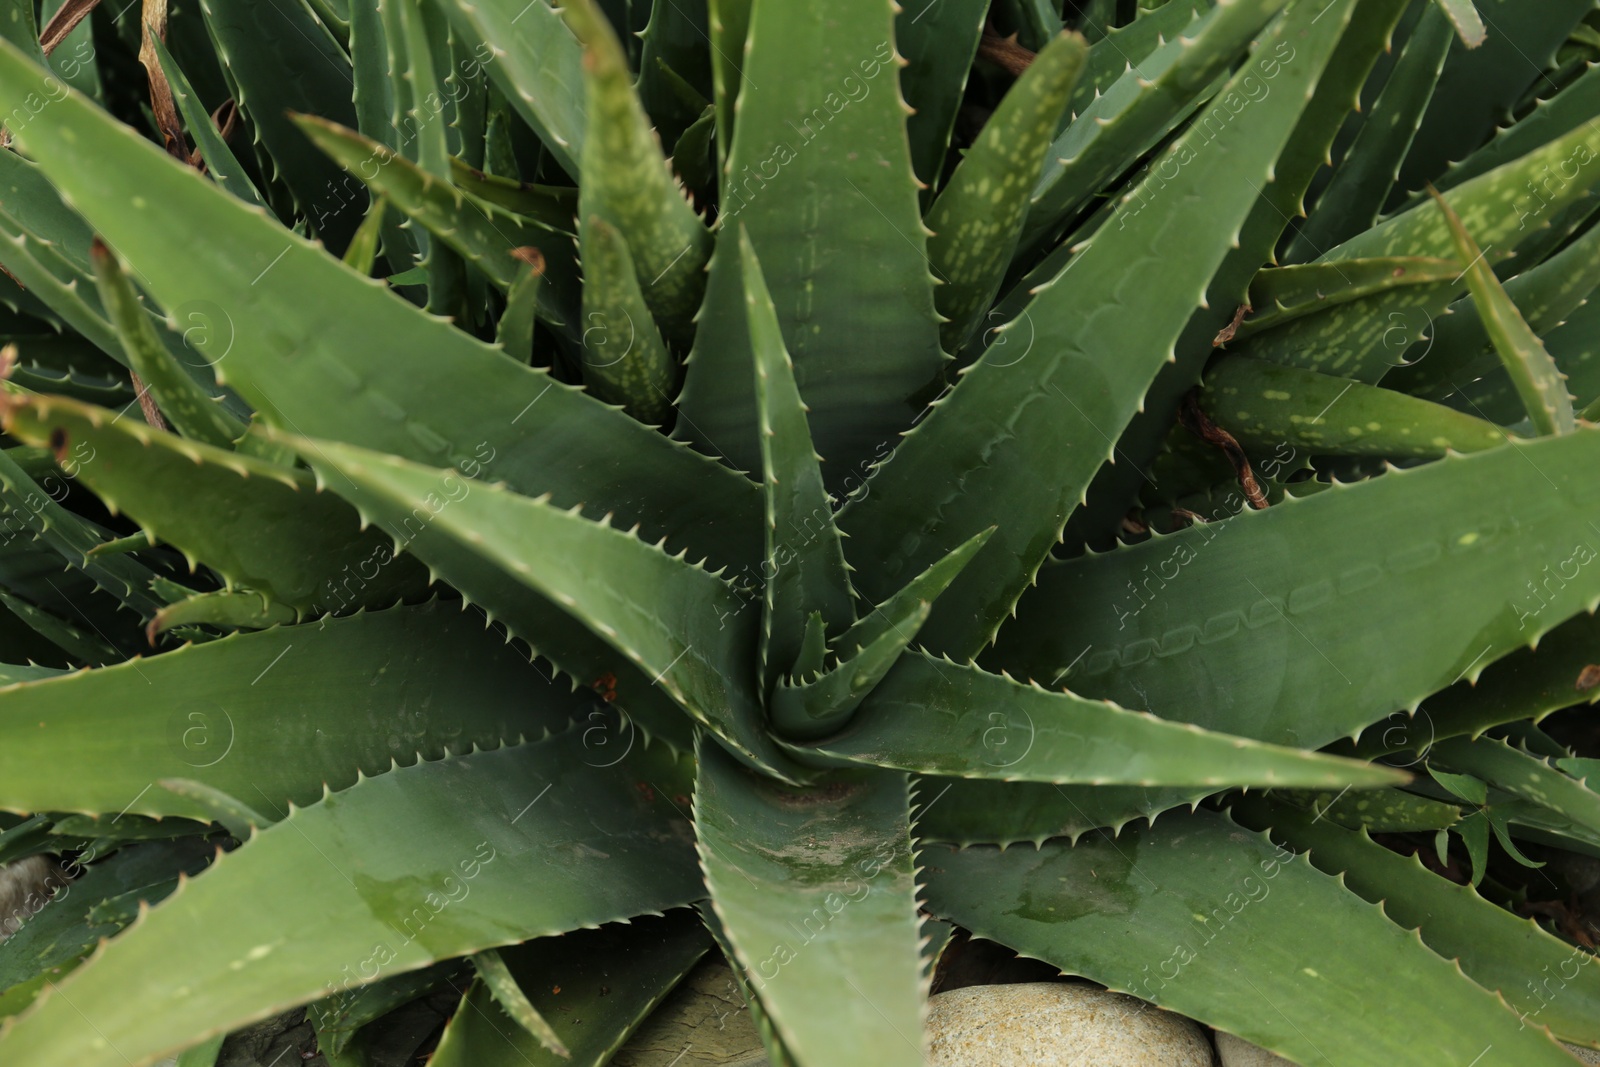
528 496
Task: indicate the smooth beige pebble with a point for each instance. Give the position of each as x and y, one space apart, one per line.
1057 1024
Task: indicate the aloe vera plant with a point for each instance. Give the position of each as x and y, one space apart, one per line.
513 495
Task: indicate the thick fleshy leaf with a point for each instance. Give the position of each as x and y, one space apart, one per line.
1268 405
1497 949
625 181
1145 104
481 232
259 525
1365 338
816 891
270 717
1533 372
484 539
625 360
977 218
937 41
1152 912
935 717
281 58
1056 387
1366 175
805 569
1283 624
417 865
349 373
823 140
595 987
985 811
530 54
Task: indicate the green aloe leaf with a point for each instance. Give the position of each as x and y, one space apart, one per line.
482 233
1267 405
541 76
823 140
817 699
64 531
281 58
340 1018
176 394
1366 175
1285 628
805 570
1460 365
729 23
1497 949
477 537
625 361
220 162
1152 913
977 219
349 374
938 41
259 525
1528 684
1553 116
812 887
674 58
1387 811
1522 775
1537 379
1283 294
225 610
1481 87
627 183
984 811
596 987
1145 103
935 717
1466 20
417 865
1365 338
234 714
497 978
54 939
1053 388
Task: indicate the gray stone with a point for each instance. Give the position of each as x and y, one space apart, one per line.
1057 1024
26 886
1237 1052
1587 1055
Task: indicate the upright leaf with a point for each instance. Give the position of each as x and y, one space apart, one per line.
1090 342
281 58
1540 384
805 570
978 217
626 182
816 891
625 361
821 148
